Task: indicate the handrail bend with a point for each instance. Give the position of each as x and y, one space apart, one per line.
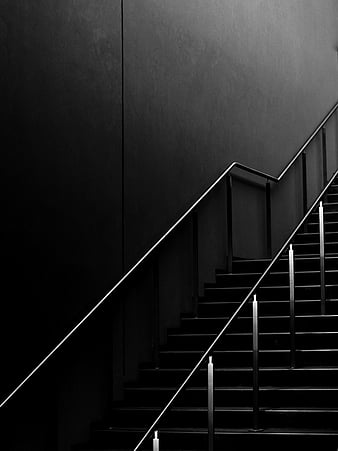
173 227
236 313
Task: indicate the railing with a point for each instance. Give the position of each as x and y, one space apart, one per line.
193 211
207 355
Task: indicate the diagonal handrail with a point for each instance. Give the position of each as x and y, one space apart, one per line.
236 313
235 164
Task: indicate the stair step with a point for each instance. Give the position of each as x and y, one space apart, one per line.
332 197
329 216
226 439
196 417
298 406
281 376
313 225
243 341
266 324
331 205
331 247
274 278
266 307
308 237
310 291
230 358
302 262
239 396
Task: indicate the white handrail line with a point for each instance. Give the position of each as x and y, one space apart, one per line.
235 314
223 174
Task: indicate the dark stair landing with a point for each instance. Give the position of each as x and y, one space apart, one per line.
299 407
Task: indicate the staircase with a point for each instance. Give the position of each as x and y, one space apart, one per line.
298 406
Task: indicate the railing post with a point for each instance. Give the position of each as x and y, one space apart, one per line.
156 442
210 405
304 182
229 223
156 312
195 261
322 258
324 156
292 309
255 363
268 217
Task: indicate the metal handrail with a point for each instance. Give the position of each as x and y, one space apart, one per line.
236 313
235 164
294 159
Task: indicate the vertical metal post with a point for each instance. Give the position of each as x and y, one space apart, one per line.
195 261
322 258
324 156
292 309
229 223
268 218
255 363
210 405
156 313
156 442
304 180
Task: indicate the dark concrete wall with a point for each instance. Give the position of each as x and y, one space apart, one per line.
206 83
212 82
62 158
61 215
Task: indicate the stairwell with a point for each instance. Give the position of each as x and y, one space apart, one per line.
298 406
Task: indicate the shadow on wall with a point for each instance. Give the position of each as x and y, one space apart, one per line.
213 83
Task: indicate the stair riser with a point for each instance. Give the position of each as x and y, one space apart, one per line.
266 324
268 293
329 216
302 263
271 308
313 226
229 398
332 197
300 249
272 279
330 205
199 419
187 342
249 266
199 441
333 188
281 378
238 280
244 359
314 238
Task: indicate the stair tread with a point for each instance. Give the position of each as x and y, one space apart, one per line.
282 258
286 387
231 409
314 243
316 285
273 273
249 334
243 351
264 301
237 388
247 369
231 431
225 318
315 233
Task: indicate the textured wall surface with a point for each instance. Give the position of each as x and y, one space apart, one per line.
62 160
206 83
60 84
212 82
